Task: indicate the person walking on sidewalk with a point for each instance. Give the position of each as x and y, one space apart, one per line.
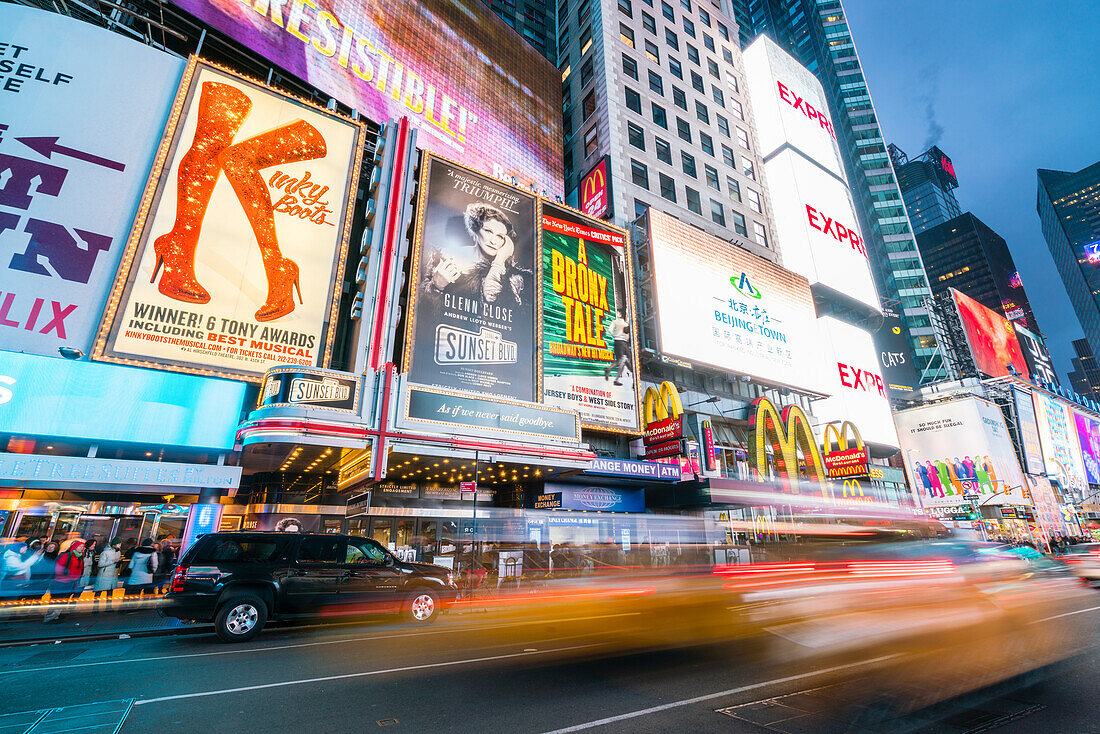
68 569
90 552
166 561
15 567
143 565
107 578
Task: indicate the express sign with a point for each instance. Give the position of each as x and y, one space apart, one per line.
839 232
805 108
857 379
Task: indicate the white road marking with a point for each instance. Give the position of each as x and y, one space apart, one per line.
362 674
711 696
1067 614
342 640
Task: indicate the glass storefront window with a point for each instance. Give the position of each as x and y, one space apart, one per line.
382 528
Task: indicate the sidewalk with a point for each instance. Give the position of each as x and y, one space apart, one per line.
24 621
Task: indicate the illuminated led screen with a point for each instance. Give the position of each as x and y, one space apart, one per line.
992 338
723 306
476 91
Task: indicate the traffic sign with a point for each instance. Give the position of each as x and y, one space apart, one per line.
972 496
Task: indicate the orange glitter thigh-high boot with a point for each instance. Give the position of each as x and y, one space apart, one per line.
222 111
294 142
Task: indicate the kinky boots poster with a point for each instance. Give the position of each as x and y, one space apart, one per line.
241 237
472 296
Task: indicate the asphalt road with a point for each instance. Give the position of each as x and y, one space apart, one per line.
553 675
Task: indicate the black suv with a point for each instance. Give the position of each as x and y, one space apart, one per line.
240 580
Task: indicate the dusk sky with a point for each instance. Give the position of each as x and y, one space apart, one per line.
1004 88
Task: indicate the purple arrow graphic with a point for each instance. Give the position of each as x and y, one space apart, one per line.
49 146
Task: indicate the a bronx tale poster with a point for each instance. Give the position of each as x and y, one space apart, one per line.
472 296
589 355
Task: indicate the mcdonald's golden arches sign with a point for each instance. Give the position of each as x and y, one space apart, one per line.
595 190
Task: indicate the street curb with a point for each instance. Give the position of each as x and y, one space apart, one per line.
190 630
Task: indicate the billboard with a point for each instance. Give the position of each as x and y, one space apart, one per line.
1029 433
723 306
50 396
992 338
1036 356
790 107
596 198
1058 437
589 353
894 353
471 324
958 448
476 91
240 244
70 183
818 232
1088 438
857 390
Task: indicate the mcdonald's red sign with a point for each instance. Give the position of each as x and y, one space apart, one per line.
595 190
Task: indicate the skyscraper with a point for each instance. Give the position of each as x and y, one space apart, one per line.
1085 375
532 19
654 105
965 254
928 186
816 33
1069 210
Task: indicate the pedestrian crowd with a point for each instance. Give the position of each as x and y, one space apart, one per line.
30 568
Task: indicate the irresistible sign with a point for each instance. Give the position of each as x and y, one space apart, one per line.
477 92
242 237
472 296
589 353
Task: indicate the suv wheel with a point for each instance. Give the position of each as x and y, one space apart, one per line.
421 606
240 618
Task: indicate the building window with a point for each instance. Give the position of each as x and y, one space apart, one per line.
675 68
586 40
633 100
723 32
728 157
659 116
590 141
727 56
702 113
697 82
694 204
737 109
739 224
664 151
712 67
747 168
712 177
760 234
668 187
693 55
668 12
655 83
683 129
589 105
639 174
679 98
717 213
640 208
708 42
636 135
648 23
723 126
706 143
630 67
754 200
671 40
743 138
625 9
626 35
704 16
732 81
734 188
689 28
686 5
687 162
652 52
717 96
586 72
